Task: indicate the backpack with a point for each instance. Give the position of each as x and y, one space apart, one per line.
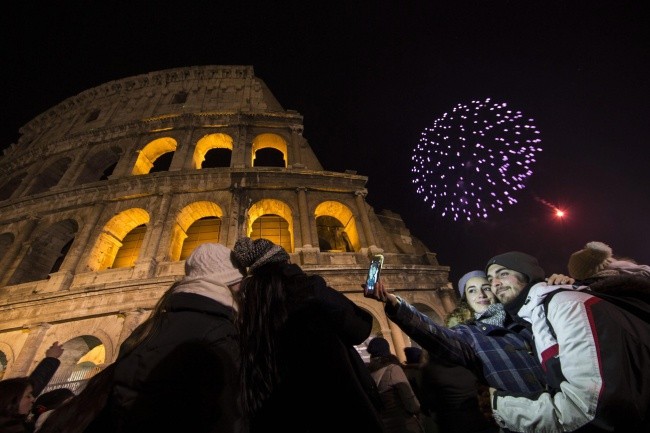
631 294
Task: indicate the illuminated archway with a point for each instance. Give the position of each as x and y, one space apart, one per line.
207 143
110 240
186 218
348 225
273 220
265 141
151 152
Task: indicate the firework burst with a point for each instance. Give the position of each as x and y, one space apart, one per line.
475 159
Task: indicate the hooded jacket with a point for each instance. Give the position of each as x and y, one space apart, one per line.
596 357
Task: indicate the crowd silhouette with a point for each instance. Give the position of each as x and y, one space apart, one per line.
224 351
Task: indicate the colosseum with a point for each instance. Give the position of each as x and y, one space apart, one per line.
105 194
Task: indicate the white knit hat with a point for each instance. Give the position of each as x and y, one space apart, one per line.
213 259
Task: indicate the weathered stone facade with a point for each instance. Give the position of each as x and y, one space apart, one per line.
82 179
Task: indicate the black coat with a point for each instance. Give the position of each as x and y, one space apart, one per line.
185 377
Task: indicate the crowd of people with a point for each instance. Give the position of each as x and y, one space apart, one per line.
225 350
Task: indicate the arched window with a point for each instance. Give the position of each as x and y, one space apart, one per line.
201 231
271 149
196 223
273 220
46 253
50 176
337 228
99 166
130 249
151 152
114 237
213 150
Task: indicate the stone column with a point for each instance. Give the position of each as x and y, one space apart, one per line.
363 213
146 262
26 359
8 265
180 160
305 226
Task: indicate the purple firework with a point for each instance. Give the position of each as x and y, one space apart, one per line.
475 159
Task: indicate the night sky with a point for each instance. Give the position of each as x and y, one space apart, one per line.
370 76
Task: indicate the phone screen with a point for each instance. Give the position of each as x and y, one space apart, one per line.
373 274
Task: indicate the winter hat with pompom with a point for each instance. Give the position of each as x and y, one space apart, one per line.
596 260
589 261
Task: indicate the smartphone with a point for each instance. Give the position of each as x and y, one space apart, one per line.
373 274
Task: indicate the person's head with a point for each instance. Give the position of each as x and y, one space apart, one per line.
475 289
509 273
16 397
413 355
214 261
596 260
255 254
378 347
51 400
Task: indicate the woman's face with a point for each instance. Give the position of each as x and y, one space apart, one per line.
479 294
26 402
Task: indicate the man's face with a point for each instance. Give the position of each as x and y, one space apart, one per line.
506 283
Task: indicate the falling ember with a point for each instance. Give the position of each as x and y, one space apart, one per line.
475 159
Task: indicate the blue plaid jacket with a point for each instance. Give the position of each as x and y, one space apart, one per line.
503 356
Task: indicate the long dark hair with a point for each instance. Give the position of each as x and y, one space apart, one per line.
262 313
11 393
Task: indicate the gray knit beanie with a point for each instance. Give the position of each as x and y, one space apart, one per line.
465 278
252 254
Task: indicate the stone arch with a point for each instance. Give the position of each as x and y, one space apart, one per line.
207 144
83 357
269 141
110 239
46 250
345 232
187 216
271 219
100 165
9 187
429 312
151 152
50 176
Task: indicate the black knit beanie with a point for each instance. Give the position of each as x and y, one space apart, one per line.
520 262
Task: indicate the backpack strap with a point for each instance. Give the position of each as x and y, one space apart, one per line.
547 299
